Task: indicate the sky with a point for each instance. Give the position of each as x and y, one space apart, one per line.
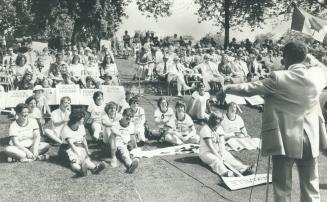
184 21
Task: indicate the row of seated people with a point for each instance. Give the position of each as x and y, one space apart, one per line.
213 66
119 131
85 69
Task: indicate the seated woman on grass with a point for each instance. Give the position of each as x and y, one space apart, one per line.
75 148
233 124
96 109
108 120
213 152
138 120
24 132
59 119
180 128
199 105
123 135
162 115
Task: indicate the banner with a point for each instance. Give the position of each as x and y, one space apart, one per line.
86 96
234 98
38 46
3 100
235 183
308 24
50 94
238 144
71 91
17 96
105 43
113 93
255 100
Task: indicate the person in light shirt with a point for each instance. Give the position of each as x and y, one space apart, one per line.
233 124
96 109
59 118
24 133
213 152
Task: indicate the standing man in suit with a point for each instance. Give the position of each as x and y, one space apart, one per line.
293 127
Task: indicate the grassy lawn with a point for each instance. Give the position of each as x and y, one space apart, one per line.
169 178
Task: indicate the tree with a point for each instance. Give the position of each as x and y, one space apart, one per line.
233 13
7 15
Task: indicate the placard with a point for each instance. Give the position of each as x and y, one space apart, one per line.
105 43
71 91
235 183
86 96
238 144
50 94
38 46
17 96
3 96
255 100
234 98
113 93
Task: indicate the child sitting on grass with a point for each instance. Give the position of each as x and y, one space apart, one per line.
76 147
123 134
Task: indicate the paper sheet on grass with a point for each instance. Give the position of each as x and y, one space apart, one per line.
255 100
180 149
235 183
234 98
238 144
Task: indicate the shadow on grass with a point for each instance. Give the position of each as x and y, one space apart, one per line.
3 157
323 186
4 141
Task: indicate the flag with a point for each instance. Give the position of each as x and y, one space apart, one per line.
308 24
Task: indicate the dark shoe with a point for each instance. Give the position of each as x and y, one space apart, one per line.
249 171
99 168
133 166
140 143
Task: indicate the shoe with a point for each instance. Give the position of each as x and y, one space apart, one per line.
179 95
26 160
228 174
141 143
11 160
133 166
43 157
99 168
249 171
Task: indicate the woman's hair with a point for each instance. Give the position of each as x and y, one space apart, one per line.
65 98
19 58
97 94
19 107
74 58
231 104
133 100
128 111
161 100
180 103
75 117
213 119
29 99
110 105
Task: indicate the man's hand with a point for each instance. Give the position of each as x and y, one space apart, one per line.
225 88
29 154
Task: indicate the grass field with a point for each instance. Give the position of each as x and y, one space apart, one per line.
169 178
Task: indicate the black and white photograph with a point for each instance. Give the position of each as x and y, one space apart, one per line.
163 100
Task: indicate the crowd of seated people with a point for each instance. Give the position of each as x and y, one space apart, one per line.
122 126
73 65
